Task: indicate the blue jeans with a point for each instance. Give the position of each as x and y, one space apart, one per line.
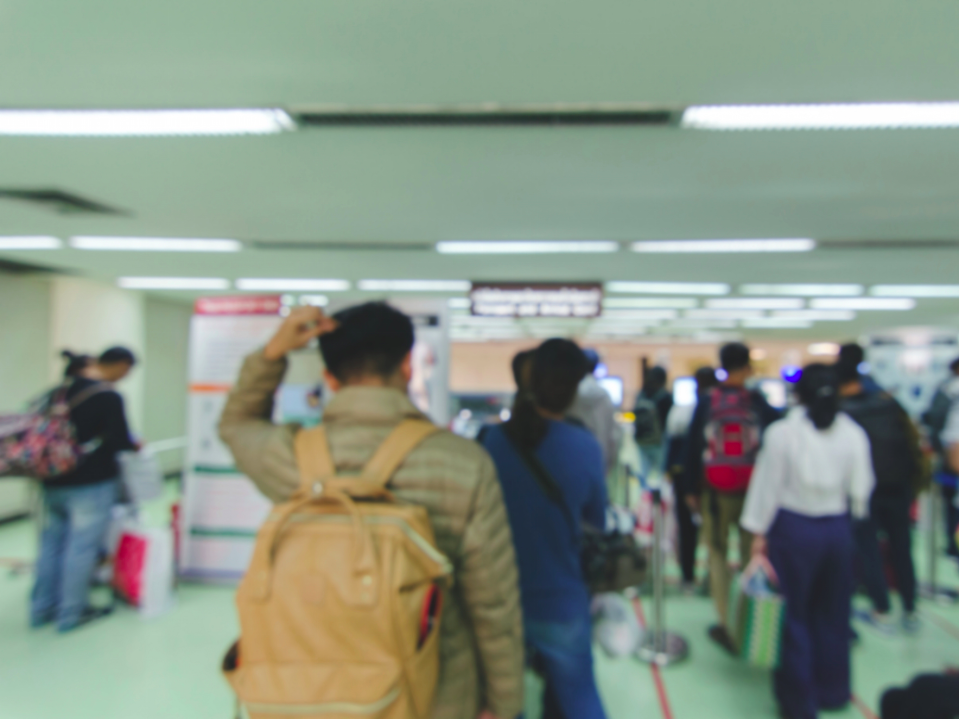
75 522
564 652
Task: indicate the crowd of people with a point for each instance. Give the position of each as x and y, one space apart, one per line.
822 493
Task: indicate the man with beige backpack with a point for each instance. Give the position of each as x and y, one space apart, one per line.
384 583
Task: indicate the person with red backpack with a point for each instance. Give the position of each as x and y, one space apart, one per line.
724 439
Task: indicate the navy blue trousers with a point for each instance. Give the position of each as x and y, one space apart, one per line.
813 557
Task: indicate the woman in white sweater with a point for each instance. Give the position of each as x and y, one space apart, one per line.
813 471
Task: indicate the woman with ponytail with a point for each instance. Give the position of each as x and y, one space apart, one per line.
76 505
813 471
546 516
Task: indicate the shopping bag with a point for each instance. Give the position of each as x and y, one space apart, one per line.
143 569
141 475
615 626
757 613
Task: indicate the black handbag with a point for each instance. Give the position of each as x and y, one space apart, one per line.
611 562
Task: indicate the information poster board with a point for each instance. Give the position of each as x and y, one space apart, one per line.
222 509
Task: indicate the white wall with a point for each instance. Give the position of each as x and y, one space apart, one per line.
24 360
165 375
89 317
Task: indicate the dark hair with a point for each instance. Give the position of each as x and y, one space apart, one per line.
75 363
558 366
954 365
654 380
117 355
372 339
852 353
734 356
818 390
520 361
705 379
851 356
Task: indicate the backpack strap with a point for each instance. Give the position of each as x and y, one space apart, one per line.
395 449
313 458
89 392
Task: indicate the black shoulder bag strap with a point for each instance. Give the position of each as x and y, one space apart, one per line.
546 482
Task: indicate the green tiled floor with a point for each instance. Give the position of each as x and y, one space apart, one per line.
166 668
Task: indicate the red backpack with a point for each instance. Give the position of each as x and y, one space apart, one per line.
732 439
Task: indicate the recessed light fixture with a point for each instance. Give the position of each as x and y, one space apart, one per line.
675 246
155 244
815 315
679 303
415 285
668 288
30 243
847 116
173 283
531 247
775 323
755 303
257 284
914 291
126 123
803 290
862 303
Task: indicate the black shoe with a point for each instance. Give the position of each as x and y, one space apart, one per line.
719 634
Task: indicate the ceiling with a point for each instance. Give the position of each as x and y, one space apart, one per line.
421 185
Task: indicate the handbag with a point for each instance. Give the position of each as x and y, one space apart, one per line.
610 562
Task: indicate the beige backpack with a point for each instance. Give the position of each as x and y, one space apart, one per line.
340 609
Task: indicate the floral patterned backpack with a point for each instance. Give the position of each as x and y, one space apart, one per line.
42 443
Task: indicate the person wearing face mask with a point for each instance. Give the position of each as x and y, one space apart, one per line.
76 505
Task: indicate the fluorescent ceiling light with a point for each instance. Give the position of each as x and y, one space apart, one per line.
722 314
862 303
755 303
525 247
173 283
779 245
668 288
803 290
775 323
314 300
816 315
701 323
914 291
852 116
124 123
460 303
680 303
30 243
639 314
823 349
415 285
257 284
155 244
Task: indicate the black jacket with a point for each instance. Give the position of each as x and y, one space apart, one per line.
692 476
101 416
